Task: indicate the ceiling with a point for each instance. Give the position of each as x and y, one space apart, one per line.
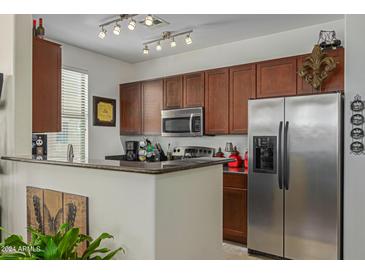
208 30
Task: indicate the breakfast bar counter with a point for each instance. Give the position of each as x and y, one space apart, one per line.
160 210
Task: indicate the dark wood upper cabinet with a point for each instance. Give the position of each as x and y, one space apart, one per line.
130 109
242 87
193 85
152 101
173 92
235 208
46 97
335 80
277 77
302 86
217 101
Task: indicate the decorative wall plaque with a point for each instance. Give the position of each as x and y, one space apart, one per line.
104 111
357 122
48 209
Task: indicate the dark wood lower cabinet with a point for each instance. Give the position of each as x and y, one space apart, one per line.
235 208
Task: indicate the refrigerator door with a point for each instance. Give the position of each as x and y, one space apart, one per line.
313 172
265 196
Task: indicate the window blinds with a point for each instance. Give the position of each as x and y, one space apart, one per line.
74 113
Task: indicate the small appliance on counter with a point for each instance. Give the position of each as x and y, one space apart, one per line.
131 150
237 157
39 146
219 153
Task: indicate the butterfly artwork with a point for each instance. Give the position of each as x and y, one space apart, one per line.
47 210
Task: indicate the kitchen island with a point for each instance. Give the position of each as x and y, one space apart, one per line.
160 210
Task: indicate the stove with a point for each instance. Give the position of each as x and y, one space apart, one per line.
186 152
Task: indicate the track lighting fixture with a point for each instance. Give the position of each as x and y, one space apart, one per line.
158 46
148 20
116 29
102 33
145 49
132 24
188 39
167 35
173 43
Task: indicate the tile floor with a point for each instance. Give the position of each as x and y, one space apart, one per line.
235 251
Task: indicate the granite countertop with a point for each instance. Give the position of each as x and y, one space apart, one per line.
127 166
235 170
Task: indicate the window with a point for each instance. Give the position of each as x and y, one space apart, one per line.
74 118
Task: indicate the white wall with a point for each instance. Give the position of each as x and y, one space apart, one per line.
15 104
288 43
105 75
354 185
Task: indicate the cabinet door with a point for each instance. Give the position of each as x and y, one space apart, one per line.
277 78
173 92
130 109
193 84
302 86
216 101
152 97
46 101
235 208
335 80
242 87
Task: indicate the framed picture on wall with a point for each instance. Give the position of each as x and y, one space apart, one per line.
104 111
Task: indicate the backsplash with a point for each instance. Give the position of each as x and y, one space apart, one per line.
241 141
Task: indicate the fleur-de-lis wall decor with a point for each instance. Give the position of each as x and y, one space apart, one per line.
316 67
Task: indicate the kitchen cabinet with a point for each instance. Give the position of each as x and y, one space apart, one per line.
302 86
173 92
235 207
152 102
217 101
193 84
242 87
46 94
277 77
335 80
130 109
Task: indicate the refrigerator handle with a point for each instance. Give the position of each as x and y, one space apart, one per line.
280 160
286 162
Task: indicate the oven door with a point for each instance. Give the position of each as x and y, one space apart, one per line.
182 123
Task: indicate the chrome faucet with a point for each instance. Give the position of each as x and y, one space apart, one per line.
70 153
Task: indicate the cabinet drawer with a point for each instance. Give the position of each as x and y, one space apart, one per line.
235 181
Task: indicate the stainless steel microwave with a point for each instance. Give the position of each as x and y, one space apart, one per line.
183 122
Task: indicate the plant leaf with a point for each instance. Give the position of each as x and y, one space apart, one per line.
68 242
51 251
95 244
113 253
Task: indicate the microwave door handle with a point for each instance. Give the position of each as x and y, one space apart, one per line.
191 123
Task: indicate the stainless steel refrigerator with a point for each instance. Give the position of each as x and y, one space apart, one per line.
295 177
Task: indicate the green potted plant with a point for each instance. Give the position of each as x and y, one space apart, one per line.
61 246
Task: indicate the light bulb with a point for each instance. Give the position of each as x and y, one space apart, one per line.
158 47
116 29
173 43
132 24
188 39
145 49
102 33
148 20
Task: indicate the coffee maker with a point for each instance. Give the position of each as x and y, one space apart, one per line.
131 150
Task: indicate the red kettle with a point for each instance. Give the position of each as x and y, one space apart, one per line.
236 156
